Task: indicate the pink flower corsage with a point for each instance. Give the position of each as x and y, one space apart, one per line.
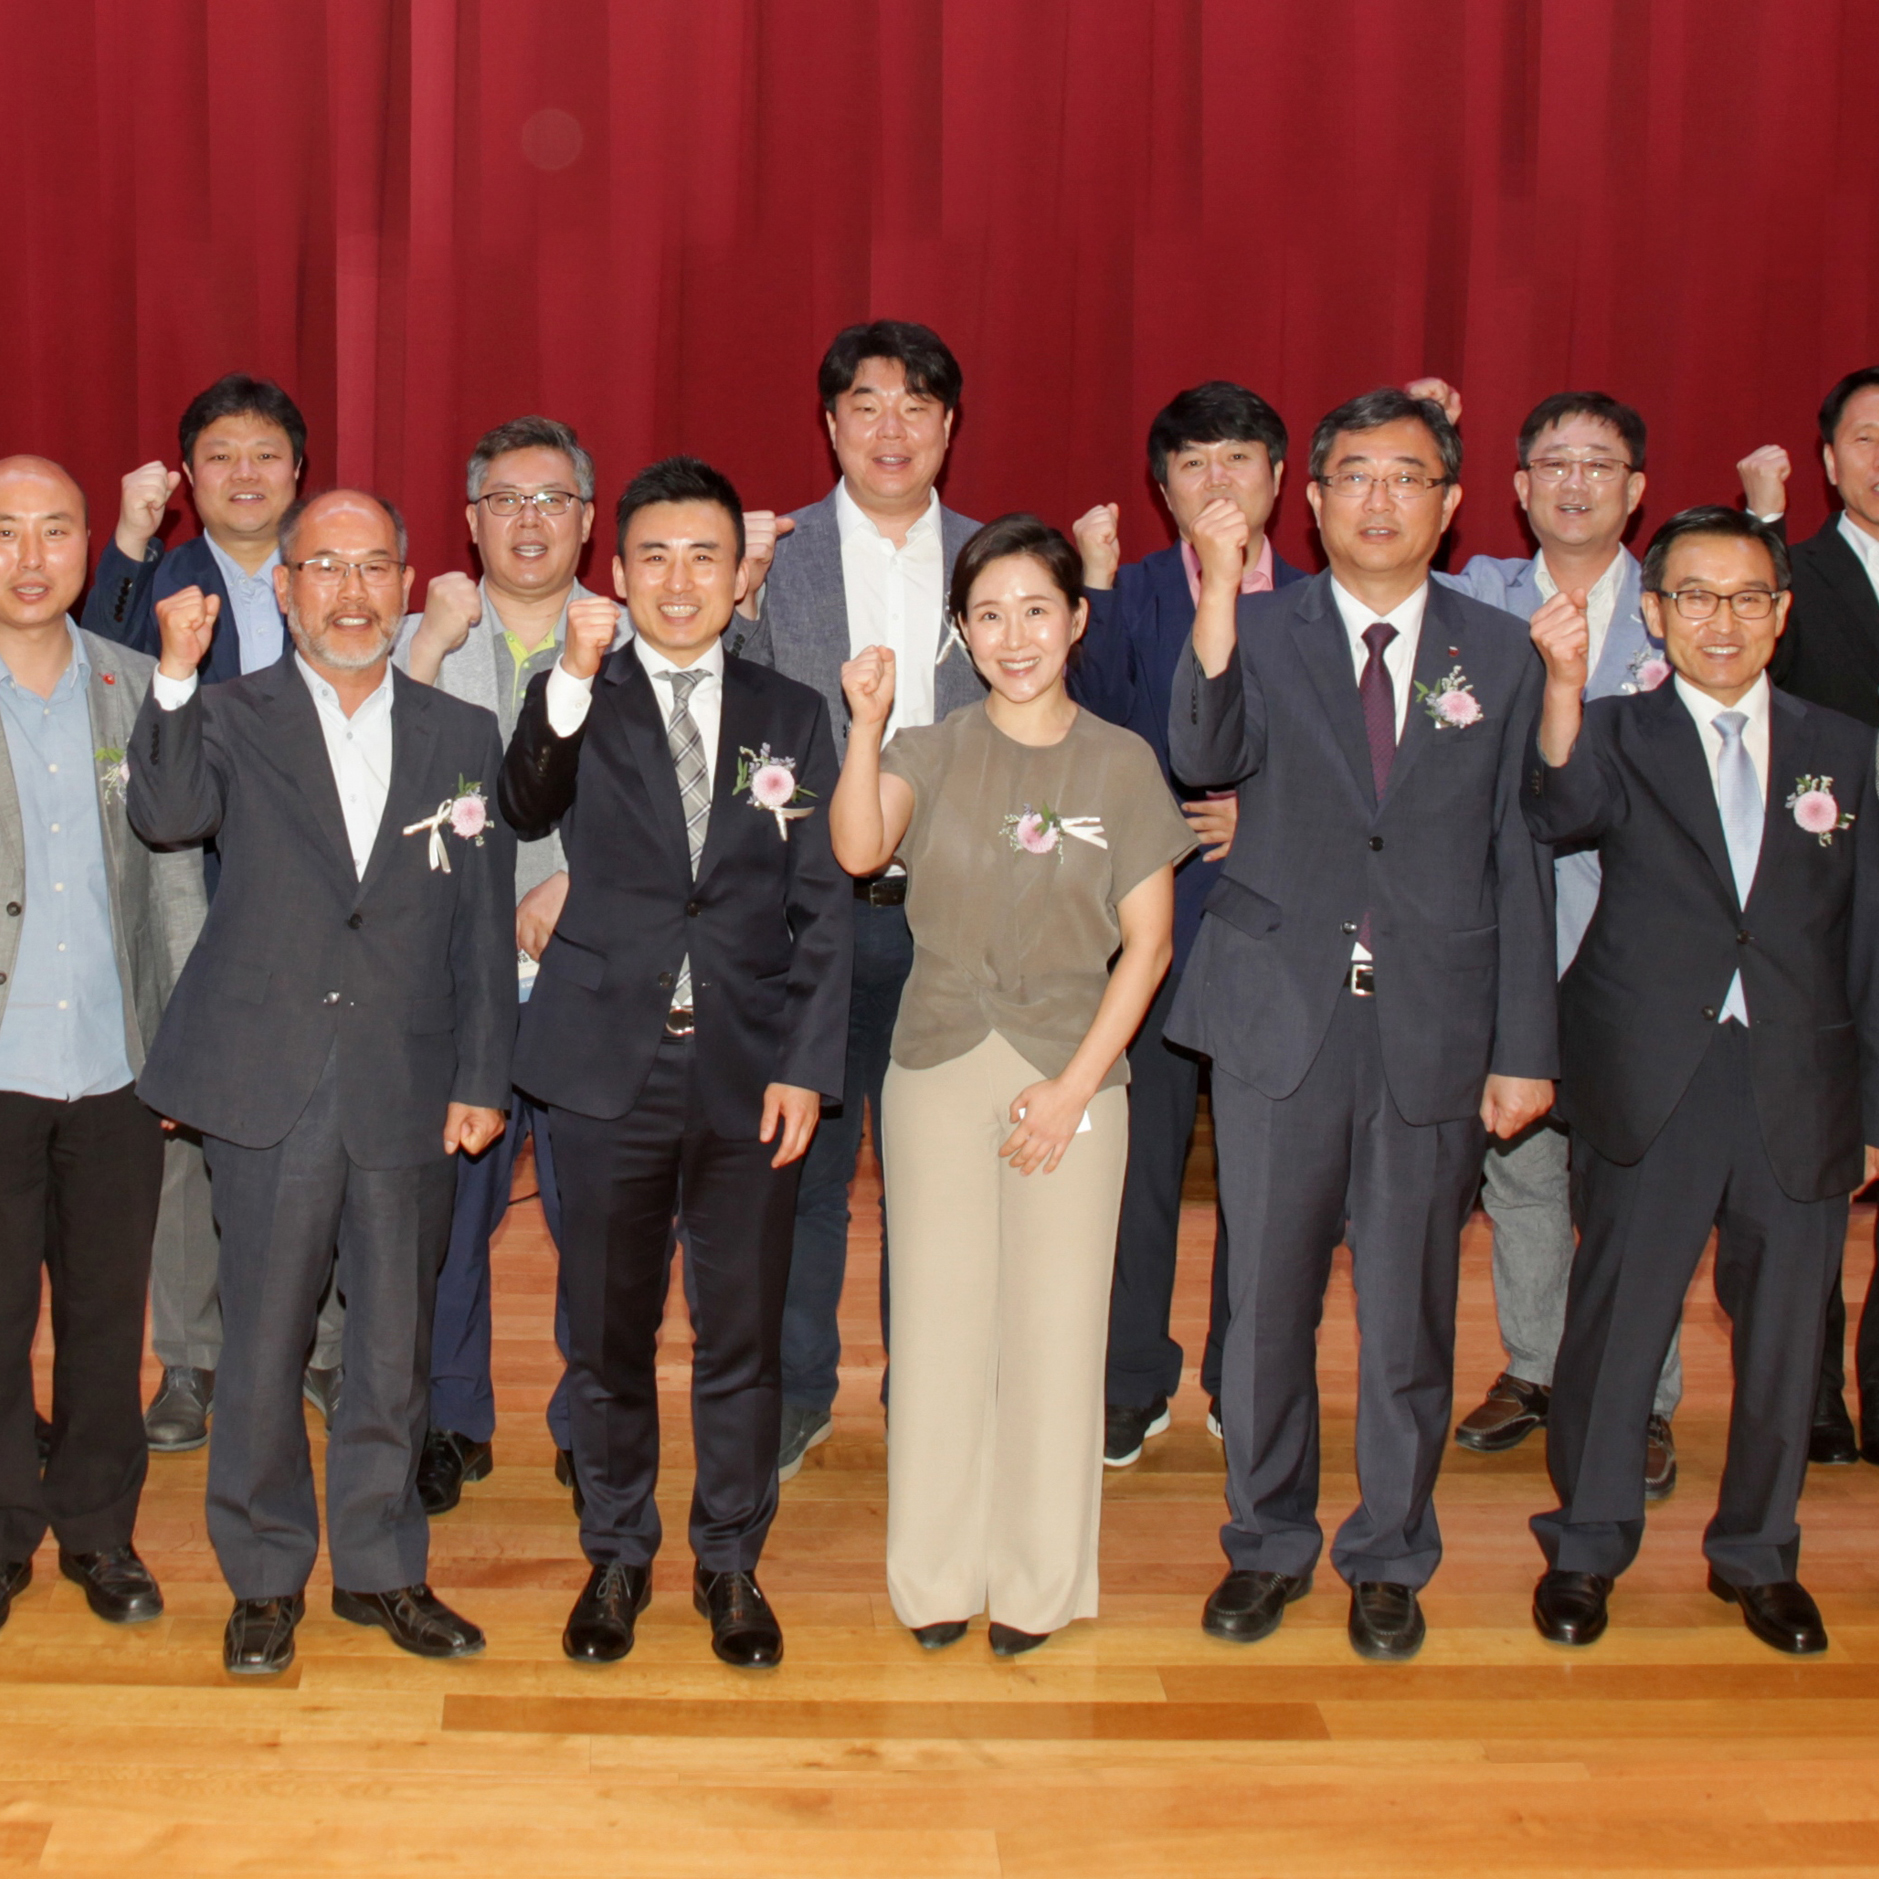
1042 831
772 787
1649 669
1450 702
1816 810
466 815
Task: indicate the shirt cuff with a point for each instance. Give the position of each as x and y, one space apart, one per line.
568 700
1771 520
172 694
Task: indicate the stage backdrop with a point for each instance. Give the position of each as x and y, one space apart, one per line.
648 219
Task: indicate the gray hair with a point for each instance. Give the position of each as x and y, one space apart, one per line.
531 433
1387 406
290 522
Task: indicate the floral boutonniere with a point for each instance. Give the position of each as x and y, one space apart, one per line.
113 773
466 815
1649 669
1041 831
771 782
1450 701
1816 810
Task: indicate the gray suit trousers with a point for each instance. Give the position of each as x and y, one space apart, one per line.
1293 1174
281 1210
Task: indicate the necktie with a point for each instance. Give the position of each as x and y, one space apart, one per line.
687 745
1379 702
1739 797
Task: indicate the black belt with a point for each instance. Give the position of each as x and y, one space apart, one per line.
681 1021
882 890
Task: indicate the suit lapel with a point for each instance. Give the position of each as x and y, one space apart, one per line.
1788 760
1679 765
1440 647
740 728
110 730
296 746
1842 570
1318 633
828 597
408 796
630 692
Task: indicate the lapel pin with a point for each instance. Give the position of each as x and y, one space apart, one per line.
1454 652
110 678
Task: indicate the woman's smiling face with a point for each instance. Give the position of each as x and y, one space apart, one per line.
1019 627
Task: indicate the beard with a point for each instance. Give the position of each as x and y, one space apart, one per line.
317 648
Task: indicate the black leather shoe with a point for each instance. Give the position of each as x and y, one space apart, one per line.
416 1619
564 1473
1386 1623
1869 1448
1126 1428
321 1388
259 1638
178 1417
1782 1613
448 1461
600 1627
1569 1607
1009 1641
1247 1606
1832 1443
118 1585
937 1637
15 1576
744 1631
1512 1409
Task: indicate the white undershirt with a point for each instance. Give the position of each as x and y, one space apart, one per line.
896 598
1601 602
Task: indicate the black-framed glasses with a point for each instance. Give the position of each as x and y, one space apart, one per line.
1399 485
1594 469
1699 603
330 570
546 501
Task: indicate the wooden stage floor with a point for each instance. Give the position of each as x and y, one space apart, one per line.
1133 1746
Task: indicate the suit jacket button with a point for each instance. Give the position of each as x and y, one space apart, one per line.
357 921
1709 1011
691 907
13 907
1350 926
665 981
1376 842
331 998
1742 937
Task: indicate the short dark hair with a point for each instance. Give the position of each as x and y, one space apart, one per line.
677 479
1218 412
1712 519
1017 534
1598 405
235 395
531 433
923 355
1833 406
290 522
1375 409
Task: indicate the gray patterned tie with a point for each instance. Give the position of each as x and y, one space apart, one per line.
687 746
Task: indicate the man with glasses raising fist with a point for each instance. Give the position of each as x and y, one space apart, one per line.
1374 982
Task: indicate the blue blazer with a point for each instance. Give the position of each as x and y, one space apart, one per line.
1513 584
122 604
1125 672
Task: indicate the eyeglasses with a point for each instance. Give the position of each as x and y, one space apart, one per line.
1399 485
511 501
330 572
1698 603
1596 469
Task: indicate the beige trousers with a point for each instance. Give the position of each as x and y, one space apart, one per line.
1000 1283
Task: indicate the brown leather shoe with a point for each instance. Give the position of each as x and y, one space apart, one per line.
1660 1459
1512 1411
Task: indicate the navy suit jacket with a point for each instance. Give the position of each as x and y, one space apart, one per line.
122 604
1830 653
1125 672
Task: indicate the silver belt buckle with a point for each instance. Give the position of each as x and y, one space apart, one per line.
1363 978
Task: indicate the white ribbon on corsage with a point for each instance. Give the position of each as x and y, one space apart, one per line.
465 814
1085 829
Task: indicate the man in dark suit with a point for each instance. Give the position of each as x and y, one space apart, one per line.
1719 1042
343 1027
1374 983
688 1020
1215 440
1829 655
868 565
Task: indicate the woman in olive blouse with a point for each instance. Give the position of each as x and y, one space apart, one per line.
1040 845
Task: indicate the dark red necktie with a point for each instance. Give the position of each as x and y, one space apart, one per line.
1379 702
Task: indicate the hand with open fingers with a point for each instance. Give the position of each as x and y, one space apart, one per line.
1048 1114
1221 535
1561 632
1099 542
471 1129
538 913
790 1115
1438 391
761 529
1213 820
592 621
453 603
1508 1104
868 685
1764 475
186 619
145 494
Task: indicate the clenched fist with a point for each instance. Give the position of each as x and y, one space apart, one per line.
761 529
146 494
1099 542
1764 475
1221 536
1563 636
868 685
591 622
1438 391
453 603
186 619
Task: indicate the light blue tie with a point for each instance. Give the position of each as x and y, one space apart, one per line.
1739 797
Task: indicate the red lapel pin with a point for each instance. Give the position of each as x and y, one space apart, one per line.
110 678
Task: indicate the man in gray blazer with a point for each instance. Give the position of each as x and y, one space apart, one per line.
94 930
531 508
342 1029
868 565
1580 480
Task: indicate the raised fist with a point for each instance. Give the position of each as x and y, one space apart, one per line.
868 685
1221 536
1099 543
761 528
186 619
591 625
146 494
1764 475
1560 632
1437 391
453 603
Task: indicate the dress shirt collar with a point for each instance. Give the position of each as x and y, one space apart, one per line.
853 523
233 572
1602 593
711 663
1255 577
1405 616
76 676
1753 704
1863 545
327 699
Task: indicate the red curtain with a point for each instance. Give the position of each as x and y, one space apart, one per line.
425 216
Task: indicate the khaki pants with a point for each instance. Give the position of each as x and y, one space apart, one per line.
1001 1315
